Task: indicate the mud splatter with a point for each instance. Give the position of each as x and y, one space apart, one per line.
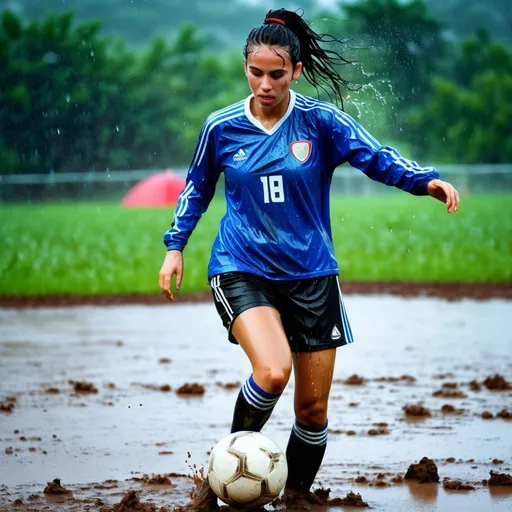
7 407
475 385
425 471
354 380
83 387
229 385
403 378
156 479
381 431
55 487
164 388
497 383
416 410
450 409
499 479
442 376
449 393
130 501
191 389
296 500
457 485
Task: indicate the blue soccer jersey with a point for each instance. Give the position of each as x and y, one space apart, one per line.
277 185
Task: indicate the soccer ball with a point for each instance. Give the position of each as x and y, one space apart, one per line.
247 469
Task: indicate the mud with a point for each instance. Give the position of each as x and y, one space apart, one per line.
445 290
457 485
416 410
137 443
424 471
55 487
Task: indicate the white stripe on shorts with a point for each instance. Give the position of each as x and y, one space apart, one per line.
219 295
344 318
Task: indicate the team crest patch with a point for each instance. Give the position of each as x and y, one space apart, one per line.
301 149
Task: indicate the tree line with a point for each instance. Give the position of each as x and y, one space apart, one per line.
74 99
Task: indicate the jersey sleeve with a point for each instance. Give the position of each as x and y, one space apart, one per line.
193 201
350 142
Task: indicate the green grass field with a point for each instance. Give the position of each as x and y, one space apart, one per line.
105 248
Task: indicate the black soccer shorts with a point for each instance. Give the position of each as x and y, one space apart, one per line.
312 310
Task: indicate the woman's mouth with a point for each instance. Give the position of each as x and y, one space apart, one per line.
265 99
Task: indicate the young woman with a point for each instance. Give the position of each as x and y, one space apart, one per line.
273 270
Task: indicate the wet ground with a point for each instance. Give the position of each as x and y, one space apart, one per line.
117 398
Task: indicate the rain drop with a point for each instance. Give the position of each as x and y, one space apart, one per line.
92 53
58 131
117 128
68 98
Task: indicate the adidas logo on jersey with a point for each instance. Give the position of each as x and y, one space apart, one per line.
239 156
335 333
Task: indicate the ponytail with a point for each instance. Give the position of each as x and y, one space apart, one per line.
288 30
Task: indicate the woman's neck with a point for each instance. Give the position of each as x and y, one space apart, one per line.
270 116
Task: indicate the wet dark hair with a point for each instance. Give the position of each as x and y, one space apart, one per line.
288 30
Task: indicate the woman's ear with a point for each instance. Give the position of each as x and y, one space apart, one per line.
297 71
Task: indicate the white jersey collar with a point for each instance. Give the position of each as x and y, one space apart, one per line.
255 121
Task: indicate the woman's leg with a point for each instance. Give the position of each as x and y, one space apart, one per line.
260 333
308 439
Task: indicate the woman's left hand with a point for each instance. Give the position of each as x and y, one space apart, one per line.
445 192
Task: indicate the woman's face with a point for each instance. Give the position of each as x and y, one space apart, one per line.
269 72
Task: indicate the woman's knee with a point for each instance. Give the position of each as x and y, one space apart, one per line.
272 378
311 413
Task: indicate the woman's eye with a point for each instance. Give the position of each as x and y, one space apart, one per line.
276 76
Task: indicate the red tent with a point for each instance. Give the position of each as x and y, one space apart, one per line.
161 189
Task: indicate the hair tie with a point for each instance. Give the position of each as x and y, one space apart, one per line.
275 20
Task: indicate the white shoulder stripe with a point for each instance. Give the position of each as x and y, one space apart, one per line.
211 119
324 105
348 122
224 110
201 148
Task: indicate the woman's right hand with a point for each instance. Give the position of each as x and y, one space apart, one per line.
172 265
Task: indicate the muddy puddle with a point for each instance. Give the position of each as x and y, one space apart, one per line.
115 399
